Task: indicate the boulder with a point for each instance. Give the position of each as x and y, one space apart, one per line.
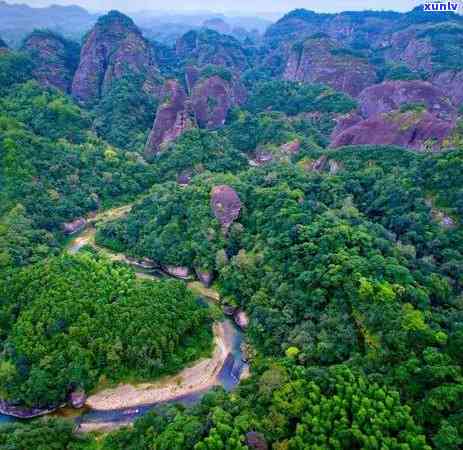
241 319
173 118
322 60
226 205
291 147
177 271
334 166
114 48
55 59
75 226
256 441
392 95
205 277
77 399
184 177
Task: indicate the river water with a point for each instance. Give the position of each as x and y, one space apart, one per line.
228 376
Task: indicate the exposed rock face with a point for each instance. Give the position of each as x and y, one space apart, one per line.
212 98
391 95
178 272
22 412
226 205
451 81
77 399
184 178
173 117
55 59
256 441
321 60
75 226
205 277
292 147
413 114
241 319
410 129
209 47
113 49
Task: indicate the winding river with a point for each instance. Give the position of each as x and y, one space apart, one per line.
119 406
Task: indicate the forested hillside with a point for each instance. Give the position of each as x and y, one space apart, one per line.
323 213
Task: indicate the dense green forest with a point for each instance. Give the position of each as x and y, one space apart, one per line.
348 262
73 321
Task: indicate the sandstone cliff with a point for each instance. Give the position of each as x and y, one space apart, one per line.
173 117
114 48
55 59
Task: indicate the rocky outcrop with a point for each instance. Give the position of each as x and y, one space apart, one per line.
212 97
204 47
256 441
114 48
55 59
173 117
21 412
413 114
417 130
291 147
77 399
451 81
226 205
75 226
392 95
205 277
178 272
241 319
322 60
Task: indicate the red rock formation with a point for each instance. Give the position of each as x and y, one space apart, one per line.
256 441
409 129
173 118
226 205
321 60
114 48
391 95
212 98
205 277
75 226
55 59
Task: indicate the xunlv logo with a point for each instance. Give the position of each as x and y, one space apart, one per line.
442 7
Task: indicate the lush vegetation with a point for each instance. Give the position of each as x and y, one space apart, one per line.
349 263
53 168
70 322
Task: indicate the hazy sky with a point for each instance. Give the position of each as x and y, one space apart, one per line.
231 5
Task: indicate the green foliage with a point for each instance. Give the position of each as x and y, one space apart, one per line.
293 98
44 434
126 113
211 70
69 321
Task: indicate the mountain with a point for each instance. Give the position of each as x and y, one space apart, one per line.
18 20
113 49
55 58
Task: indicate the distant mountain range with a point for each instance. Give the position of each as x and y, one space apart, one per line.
18 20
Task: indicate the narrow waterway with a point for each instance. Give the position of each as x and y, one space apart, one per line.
232 366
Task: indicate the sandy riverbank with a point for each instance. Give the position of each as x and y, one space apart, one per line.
201 376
